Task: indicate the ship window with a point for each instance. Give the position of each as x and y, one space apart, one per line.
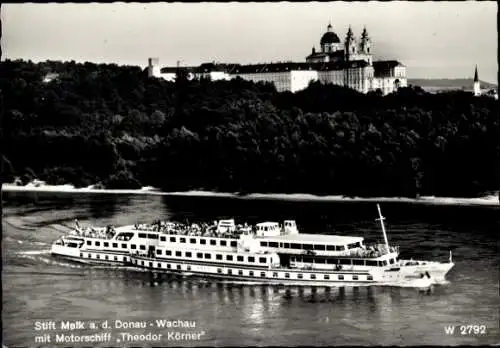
218 257
331 261
133 246
351 246
355 277
391 261
199 255
203 241
307 259
384 262
208 256
357 245
89 242
159 265
188 268
273 244
142 235
307 246
142 247
152 236
239 258
158 251
344 261
150 264
369 277
98 256
223 243
262 259
341 277
287 275
330 247
97 244
319 247
81 254
371 263
168 252
168 266
275 274
183 240
229 271
219 270
124 246
89 256
296 246
340 247
240 272
286 245
172 239
192 240
178 253
300 276
250 273
142 263
189 254
326 277
179 267
163 239
116 258
106 244
115 245
106 257
229 257
358 262
251 259
313 276
263 244
233 243
213 242
262 274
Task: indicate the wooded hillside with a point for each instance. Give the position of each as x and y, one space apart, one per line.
112 124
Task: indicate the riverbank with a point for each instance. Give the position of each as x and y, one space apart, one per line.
487 200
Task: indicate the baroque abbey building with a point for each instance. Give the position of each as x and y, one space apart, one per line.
347 64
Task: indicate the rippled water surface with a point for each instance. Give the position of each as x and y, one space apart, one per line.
40 288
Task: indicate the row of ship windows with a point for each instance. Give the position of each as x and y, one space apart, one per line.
354 262
321 247
229 271
172 239
252 274
208 256
202 241
106 257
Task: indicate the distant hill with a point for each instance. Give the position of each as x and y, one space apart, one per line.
448 83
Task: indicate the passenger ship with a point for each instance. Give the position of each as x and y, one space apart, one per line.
265 253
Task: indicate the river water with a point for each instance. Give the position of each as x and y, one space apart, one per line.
38 289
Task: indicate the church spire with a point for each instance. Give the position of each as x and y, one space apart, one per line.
476 86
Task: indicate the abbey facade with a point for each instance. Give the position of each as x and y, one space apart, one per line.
347 64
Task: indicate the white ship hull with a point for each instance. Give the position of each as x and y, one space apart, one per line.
270 255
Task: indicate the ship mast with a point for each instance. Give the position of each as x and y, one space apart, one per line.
381 219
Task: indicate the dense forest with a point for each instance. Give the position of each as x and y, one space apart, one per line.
113 125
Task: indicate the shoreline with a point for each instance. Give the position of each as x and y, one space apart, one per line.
489 200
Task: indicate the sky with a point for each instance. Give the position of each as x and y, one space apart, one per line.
433 39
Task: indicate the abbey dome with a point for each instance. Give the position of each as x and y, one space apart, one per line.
329 37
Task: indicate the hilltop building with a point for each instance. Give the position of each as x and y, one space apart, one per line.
348 64
476 88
